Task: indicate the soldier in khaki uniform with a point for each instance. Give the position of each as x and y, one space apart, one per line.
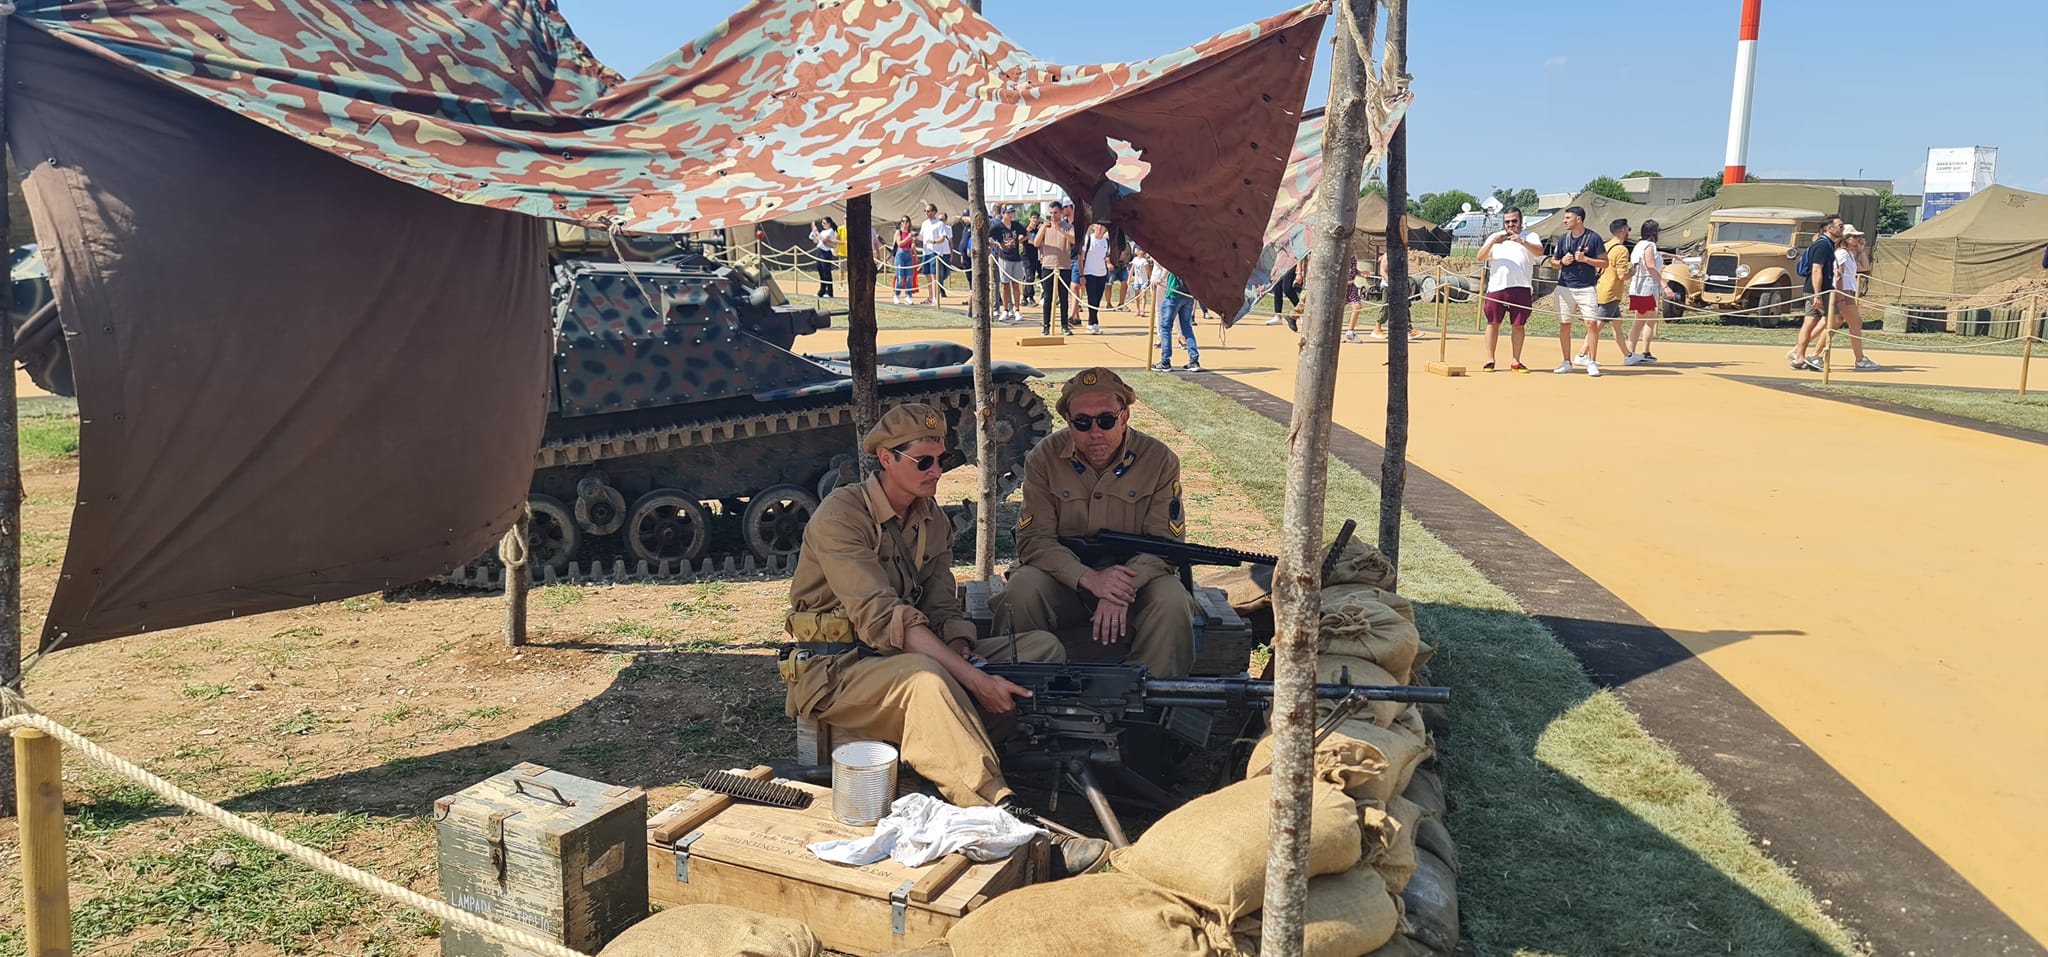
1099 474
881 649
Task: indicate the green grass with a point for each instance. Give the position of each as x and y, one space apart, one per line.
49 428
2000 408
206 692
1578 833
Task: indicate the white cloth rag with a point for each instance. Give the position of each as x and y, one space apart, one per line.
921 829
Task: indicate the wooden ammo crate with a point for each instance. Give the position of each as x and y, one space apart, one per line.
753 856
550 852
1223 639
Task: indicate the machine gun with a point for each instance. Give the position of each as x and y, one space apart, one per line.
1075 720
1115 546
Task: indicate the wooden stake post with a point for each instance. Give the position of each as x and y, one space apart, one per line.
1297 581
45 883
518 576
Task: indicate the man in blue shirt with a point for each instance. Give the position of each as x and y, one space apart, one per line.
1580 254
1818 265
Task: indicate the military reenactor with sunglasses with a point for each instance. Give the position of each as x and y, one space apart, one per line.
1099 474
879 645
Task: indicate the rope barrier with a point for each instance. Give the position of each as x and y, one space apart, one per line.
24 717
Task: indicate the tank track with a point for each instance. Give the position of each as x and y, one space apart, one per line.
597 447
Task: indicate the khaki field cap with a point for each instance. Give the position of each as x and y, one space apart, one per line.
1097 379
905 423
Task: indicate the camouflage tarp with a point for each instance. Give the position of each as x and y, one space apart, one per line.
785 106
314 365
1287 231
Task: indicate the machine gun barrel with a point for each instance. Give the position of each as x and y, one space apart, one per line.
1247 692
1115 546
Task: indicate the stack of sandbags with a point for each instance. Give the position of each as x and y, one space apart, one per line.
713 930
1092 914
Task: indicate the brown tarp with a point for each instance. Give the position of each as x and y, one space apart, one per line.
1994 236
224 446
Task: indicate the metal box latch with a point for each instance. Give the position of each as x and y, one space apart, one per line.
899 903
494 836
683 856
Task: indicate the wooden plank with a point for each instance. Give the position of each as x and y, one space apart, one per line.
1443 368
1041 340
703 810
847 923
939 877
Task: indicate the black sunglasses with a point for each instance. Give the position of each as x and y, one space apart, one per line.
924 463
1083 423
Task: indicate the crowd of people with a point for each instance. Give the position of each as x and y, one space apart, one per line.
1613 281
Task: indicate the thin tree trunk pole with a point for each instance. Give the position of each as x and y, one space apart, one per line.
517 553
982 296
1297 581
1394 465
860 319
10 494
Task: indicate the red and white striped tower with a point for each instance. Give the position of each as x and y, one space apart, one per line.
1745 78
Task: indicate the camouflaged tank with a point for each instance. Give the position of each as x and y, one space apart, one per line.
685 436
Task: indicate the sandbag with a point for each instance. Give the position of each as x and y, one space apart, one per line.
1213 848
1432 836
1431 904
1400 604
1360 564
1356 624
937 948
1410 719
1245 594
713 930
1400 751
1389 834
1347 915
1334 669
1364 759
1091 914
1426 788
1402 945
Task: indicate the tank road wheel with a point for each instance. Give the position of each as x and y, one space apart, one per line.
775 519
600 509
552 536
844 471
667 525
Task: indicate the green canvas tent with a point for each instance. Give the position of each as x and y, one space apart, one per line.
1994 236
1681 226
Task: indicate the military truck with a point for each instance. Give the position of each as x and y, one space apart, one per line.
1754 241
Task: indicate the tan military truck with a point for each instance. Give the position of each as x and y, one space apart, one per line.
1750 267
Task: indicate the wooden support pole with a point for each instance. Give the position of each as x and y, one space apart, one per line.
1394 464
518 575
860 321
982 297
1827 341
1297 580
1443 319
10 490
45 882
2026 359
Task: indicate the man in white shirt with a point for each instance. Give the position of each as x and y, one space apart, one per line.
937 238
1510 258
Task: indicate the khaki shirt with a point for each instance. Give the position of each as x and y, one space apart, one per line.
1138 494
1055 244
849 562
1613 285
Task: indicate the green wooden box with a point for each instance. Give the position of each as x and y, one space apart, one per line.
555 854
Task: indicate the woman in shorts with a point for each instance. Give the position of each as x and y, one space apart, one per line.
905 245
1645 294
1852 259
1141 282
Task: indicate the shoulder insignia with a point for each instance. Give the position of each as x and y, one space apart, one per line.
1024 522
1173 512
1176 489
931 420
1088 378
1130 458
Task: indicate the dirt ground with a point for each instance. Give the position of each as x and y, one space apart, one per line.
342 723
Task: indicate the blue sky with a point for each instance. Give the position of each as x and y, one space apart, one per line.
1510 97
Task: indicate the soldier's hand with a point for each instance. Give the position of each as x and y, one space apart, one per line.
1115 583
1111 620
996 694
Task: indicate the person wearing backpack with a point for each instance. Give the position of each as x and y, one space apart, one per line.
1817 276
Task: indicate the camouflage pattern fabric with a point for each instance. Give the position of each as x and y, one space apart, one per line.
1287 236
785 106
